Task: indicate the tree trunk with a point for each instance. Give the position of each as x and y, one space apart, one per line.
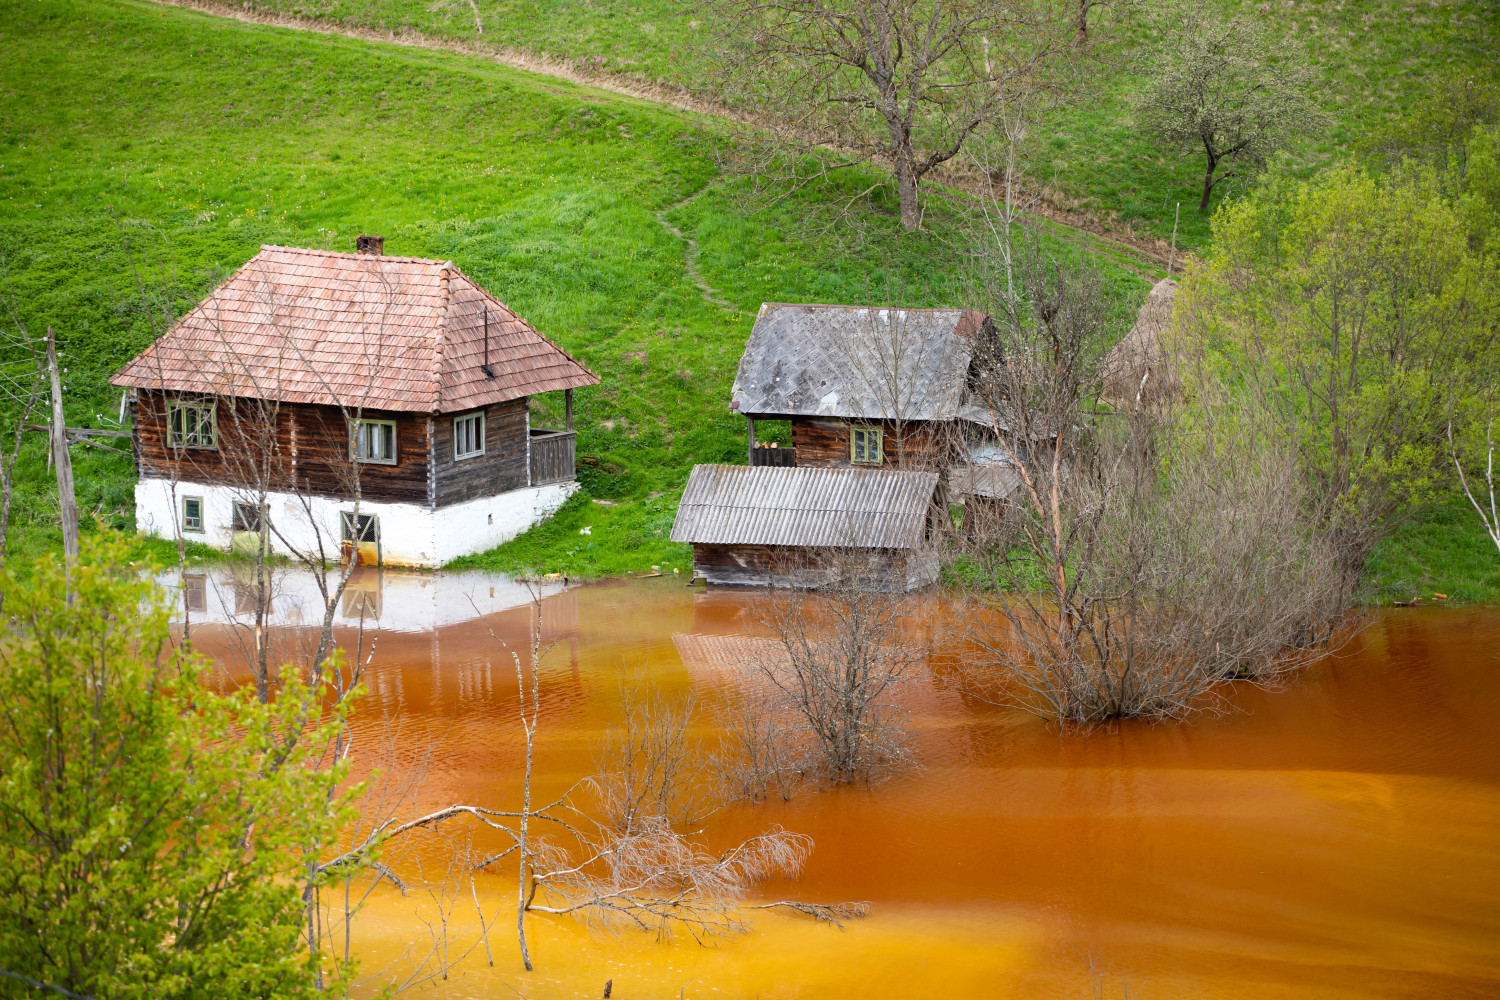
67 501
1208 187
906 187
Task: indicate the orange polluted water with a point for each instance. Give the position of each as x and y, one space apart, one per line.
1338 838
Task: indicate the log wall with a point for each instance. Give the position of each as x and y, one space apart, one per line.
502 467
290 447
823 442
891 570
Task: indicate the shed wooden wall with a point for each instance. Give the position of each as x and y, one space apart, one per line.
893 570
503 466
823 442
310 454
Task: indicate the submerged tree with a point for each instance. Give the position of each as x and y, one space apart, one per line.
836 659
1229 87
1144 555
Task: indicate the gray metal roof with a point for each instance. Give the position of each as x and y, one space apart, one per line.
856 361
995 480
846 508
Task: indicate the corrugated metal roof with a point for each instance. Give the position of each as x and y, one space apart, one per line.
847 508
390 333
857 361
995 480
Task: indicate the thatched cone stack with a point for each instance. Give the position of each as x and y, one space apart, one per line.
1136 370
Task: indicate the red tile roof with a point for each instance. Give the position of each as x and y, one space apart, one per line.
356 330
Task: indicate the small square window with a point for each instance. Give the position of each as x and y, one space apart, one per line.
375 441
246 517
192 514
468 436
359 527
865 445
192 425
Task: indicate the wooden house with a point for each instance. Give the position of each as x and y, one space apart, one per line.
379 403
885 434
864 387
796 526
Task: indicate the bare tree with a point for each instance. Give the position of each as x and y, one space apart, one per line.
1144 557
838 657
763 748
1228 86
625 864
648 768
897 83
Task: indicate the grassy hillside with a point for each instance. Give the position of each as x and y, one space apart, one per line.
147 147
1375 59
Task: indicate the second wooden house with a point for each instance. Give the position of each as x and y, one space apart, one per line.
885 434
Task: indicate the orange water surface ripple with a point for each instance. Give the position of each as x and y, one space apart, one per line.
1339 837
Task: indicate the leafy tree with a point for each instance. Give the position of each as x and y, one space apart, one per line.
1227 86
152 831
1349 310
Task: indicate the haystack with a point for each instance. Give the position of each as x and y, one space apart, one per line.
1137 367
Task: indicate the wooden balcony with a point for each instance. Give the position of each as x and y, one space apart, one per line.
554 456
785 458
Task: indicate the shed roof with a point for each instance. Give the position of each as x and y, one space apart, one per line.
857 361
768 505
391 333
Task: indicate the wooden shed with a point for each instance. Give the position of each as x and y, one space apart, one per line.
765 526
371 401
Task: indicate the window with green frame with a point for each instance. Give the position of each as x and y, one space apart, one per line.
192 424
865 446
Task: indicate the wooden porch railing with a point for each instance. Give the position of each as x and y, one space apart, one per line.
554 456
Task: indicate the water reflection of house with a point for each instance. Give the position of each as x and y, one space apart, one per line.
885 432
388 600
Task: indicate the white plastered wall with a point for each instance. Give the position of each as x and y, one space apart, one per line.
410 534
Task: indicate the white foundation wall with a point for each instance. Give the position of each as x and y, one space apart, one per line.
410 535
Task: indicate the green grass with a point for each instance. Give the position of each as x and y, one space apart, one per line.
1375 59
154 146
1442 549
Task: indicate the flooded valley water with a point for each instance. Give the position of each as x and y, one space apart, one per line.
1336 838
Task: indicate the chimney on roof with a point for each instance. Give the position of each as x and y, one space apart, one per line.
373 245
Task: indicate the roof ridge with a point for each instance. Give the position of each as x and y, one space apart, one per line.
841 305
355 256
440 335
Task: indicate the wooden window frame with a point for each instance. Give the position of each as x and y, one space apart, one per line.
879 435
187 520
179 438
477 417
356 443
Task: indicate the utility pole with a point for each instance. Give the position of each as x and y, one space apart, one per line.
65 496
